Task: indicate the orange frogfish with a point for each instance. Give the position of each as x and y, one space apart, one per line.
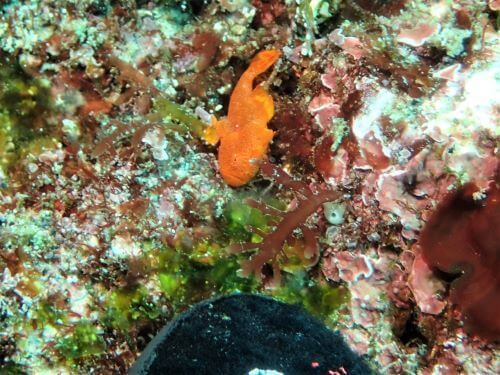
243 134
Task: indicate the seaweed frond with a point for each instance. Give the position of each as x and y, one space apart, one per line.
286 223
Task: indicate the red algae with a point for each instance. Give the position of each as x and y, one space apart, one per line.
268 12
308 201
461 238
294 140
385 8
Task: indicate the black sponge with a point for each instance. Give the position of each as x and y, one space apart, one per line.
238 333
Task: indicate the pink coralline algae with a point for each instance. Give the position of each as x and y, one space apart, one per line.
417 36
332 168
425 287
347 267
360 272
267 12
407 191
462 239
324 109
494 4
331 104
351 45
450 73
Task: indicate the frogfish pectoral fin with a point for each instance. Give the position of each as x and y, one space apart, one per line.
212 133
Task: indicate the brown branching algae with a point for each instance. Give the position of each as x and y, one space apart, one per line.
114 217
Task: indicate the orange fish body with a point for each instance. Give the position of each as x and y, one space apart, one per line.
243 134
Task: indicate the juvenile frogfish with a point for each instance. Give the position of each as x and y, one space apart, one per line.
243 135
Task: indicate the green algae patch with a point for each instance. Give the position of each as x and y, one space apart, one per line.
37 146
240 217
319 298
182 279
206 252
12 369
188 278
6 142
185 280
221 278
128 307
171 111
85 340
168 283
25 106
206 269
47 314
25 99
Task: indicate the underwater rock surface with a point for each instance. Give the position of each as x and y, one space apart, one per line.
115 217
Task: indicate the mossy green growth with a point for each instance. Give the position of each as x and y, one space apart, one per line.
85 340
24 106
319 298
12 369
185 281
47 314
239 217
186 278
82 339
190 273
206 252
6 142
25 99
169 283
130 306
37 146
171 111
